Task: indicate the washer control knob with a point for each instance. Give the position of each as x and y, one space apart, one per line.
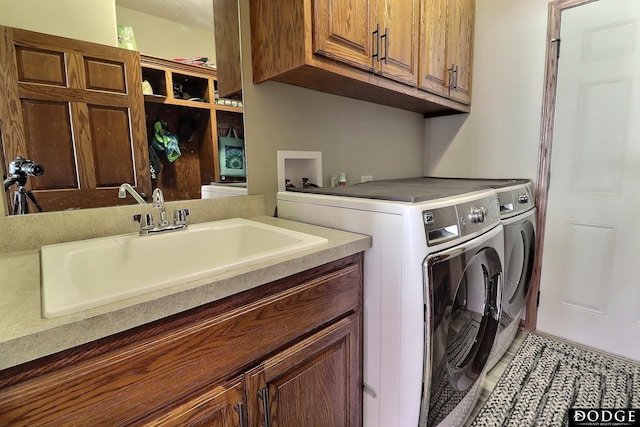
523 198
477 215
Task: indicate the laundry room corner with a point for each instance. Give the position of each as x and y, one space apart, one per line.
500 137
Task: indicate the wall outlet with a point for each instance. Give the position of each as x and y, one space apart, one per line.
365 178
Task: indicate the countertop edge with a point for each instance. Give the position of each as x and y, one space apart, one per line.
43 340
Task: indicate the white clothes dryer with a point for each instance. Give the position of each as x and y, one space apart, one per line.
432 292
518 216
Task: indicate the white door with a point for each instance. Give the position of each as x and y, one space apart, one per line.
590 282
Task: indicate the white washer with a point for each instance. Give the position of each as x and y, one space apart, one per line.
432 292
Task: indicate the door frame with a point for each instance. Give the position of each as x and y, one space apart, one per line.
544 151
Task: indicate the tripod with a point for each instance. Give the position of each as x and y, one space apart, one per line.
20 206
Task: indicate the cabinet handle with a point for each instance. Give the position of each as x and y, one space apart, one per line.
264 395
450 71
386 44
455 79
239 407
376 43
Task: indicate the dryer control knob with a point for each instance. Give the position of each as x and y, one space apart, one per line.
477 215
523 198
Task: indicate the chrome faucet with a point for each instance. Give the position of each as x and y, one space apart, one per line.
146 219
122 193
158 202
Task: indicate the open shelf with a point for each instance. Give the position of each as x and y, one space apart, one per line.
174 87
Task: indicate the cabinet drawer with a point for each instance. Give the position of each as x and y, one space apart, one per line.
122 386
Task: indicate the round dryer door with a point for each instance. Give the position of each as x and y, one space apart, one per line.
520 247
464 287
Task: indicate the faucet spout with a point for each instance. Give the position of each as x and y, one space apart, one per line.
158 202
126 187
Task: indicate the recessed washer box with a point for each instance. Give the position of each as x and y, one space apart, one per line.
295 165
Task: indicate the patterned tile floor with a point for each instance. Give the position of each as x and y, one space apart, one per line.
494 374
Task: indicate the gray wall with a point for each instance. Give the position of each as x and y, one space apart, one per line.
500 137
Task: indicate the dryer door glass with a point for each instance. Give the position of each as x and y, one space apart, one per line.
518 271
465 290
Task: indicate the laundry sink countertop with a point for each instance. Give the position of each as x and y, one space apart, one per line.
25 335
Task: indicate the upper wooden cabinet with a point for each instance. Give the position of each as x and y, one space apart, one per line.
227 31
446 48
378 36
76 108
363 49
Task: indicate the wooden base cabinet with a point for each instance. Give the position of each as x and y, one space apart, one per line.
312 384
288 353
222 406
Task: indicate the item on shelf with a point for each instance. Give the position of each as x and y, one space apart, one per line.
196 60
186 129
231 154
146 88
154 162
307 184
342 179
288 184
126 38
163 140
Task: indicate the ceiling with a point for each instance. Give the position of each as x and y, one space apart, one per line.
194 13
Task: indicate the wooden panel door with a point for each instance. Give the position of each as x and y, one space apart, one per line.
460 47
399 21
343 30
433 63
313 384
76 108
227 31
446 48
222 406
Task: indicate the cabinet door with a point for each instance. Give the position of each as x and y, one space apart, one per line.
446 48
460 50
398 26
227 32
315 383
434 64
343 30
76 108
222 406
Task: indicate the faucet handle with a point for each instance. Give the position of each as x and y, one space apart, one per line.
180 216
146 221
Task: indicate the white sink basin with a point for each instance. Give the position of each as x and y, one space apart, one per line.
80 275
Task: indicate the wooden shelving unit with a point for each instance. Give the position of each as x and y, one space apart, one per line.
184 97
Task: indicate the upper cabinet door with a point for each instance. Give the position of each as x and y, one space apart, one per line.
227 32
398 47
434 75
344 30
460 49
379 36
446 48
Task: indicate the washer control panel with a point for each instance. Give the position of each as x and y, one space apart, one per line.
453 222
515 201
478 215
